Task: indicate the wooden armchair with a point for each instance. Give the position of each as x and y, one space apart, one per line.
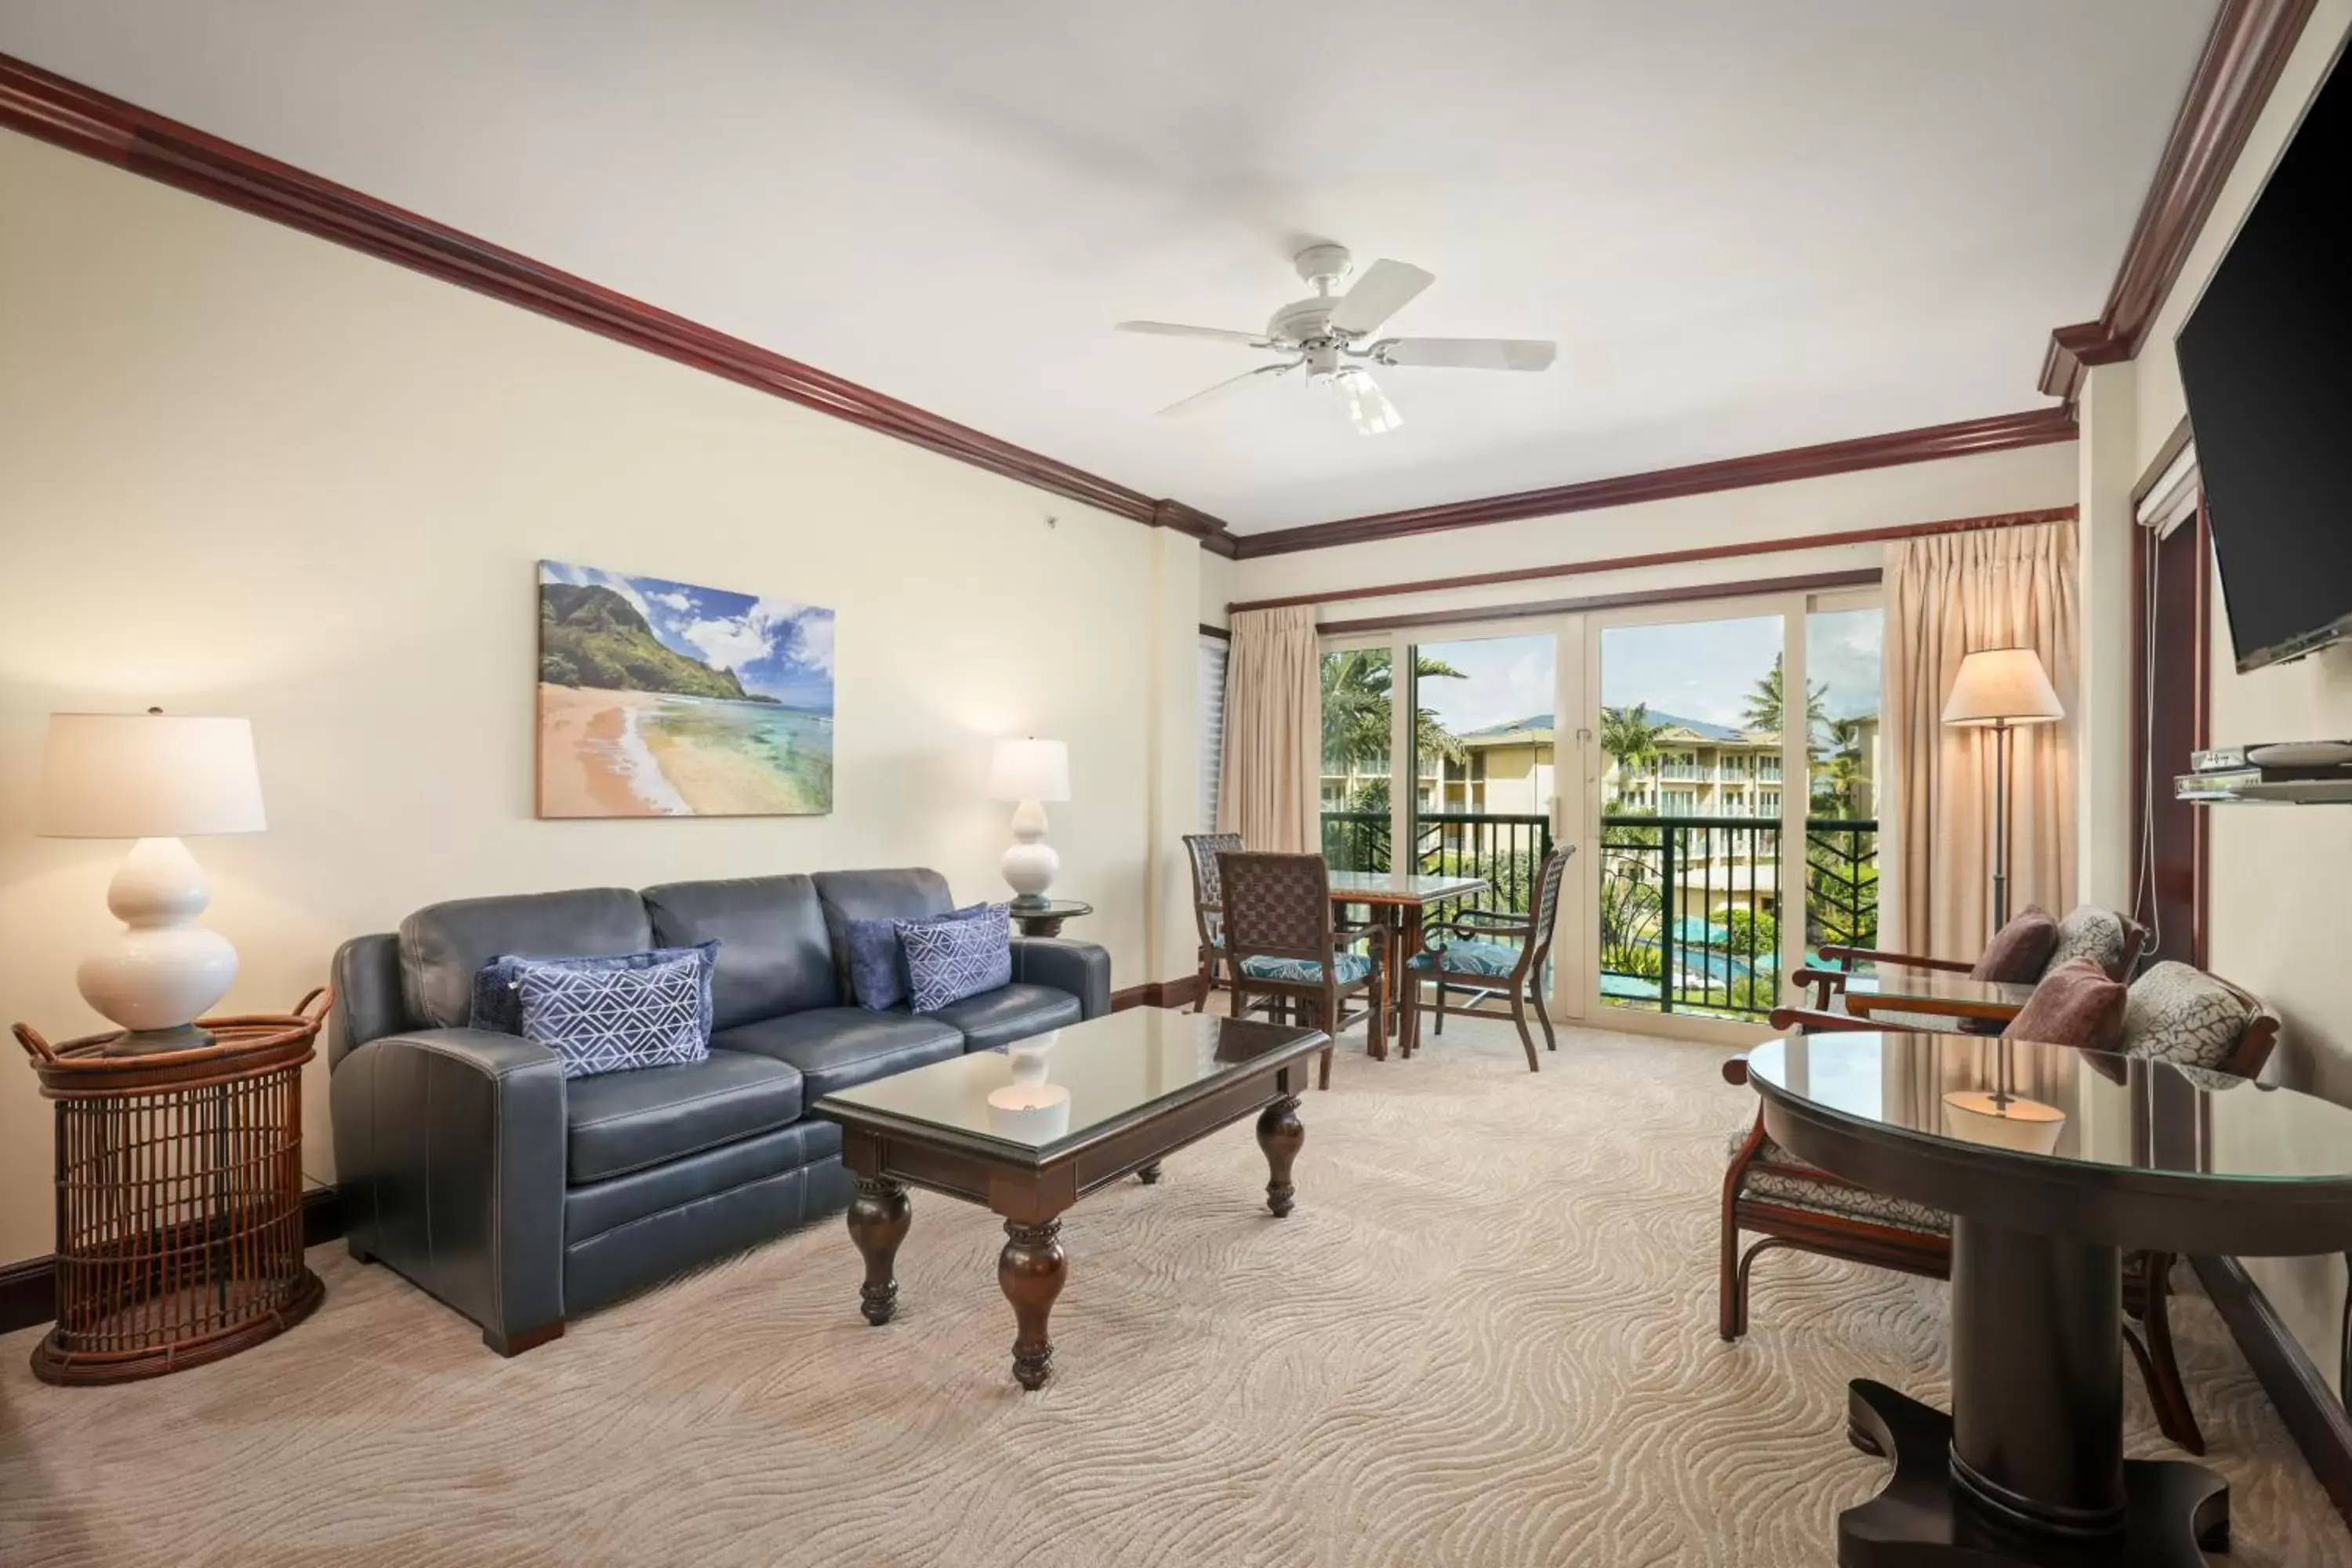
1208 909
1481 948
1788 1203
1281 944
2084 933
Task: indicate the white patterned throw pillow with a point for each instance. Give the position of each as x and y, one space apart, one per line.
615 1020
949 959
2183 1015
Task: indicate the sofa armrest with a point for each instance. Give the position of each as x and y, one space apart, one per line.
449 1151
368 1001
1080 968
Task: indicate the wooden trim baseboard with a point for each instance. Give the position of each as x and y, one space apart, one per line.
28 1287
2243 54
1181 992
1664 558
1968 437
42 104
2313 1413
1813 583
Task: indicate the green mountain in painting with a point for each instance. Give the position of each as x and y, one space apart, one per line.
590 636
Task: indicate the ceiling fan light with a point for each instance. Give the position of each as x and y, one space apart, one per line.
1373 413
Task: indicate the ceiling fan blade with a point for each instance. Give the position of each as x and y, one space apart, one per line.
1171 330
1468 354
1386 288
1368 406
1225 389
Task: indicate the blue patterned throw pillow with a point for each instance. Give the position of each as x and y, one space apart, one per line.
616 1020
877 965
949 959
498 999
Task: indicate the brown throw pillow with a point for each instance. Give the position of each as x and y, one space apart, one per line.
2020 950
2076 1004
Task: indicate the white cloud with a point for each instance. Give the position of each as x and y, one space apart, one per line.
732 642
623 586
677 602
815 648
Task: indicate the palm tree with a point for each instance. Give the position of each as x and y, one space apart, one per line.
1764 703
1631 736
1842 769
1356 709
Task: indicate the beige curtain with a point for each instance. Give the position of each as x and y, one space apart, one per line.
1948 595
1269 789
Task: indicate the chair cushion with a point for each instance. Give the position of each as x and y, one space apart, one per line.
626 1121
1777 1176
2181 1014
1465 957
2089 932
775 952
1009 1012
1348 968
618 1020
948 958
2076 1004
841 1048
443 945
2020 951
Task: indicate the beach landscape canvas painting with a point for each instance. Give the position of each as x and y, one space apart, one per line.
661 698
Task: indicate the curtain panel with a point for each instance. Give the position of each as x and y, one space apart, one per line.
1947 596
1270 789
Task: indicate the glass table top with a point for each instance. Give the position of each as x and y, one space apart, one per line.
2059 1103
1044 1093
1399 887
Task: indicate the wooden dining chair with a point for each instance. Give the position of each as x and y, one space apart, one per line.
1208 909
1480 948
1282 945
2174 1013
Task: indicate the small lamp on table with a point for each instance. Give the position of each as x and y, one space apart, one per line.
1030 772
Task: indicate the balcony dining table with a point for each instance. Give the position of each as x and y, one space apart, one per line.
1400 901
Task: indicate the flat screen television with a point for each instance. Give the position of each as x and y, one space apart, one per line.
2267 364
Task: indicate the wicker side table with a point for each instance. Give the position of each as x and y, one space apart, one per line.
179 1197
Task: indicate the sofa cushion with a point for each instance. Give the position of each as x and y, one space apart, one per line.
908 893
497 985
841 1048
877 959
1009 1012
619 1020
951 959
442 946
626 1121
774 953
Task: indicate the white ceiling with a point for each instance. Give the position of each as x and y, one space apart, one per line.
1751 224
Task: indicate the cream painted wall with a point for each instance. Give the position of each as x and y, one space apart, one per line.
2277 874
248 472
2025 480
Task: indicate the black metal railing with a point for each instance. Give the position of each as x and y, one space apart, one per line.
1689 913
1507 849
1841 881
1356 840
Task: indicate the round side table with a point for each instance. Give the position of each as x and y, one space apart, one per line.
1045 918
179 1197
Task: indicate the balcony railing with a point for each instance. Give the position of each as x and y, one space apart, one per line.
1507 849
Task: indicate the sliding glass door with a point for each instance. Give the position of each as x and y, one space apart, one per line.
1485 762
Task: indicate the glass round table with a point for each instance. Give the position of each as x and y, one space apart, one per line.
2051 1163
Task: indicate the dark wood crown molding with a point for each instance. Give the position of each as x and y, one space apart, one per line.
2244 56
42 104
1968 437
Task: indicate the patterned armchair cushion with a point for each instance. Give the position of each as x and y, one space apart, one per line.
2183 1015
1466 957
1350 967
2091 932
1776 1176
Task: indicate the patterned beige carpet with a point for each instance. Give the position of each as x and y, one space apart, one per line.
1486 1337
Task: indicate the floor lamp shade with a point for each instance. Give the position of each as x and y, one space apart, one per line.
156 779
1998 689
1031 772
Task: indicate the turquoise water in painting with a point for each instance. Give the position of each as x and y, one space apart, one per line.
793 745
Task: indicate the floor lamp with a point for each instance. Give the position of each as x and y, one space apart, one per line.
1998 688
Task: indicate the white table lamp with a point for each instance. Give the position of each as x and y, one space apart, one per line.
1998 688
1031 772
156 779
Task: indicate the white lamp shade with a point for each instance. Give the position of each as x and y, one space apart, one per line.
148 776
2003 685
1030 770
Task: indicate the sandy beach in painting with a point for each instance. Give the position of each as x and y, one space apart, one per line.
642 753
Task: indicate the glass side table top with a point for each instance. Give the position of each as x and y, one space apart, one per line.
1041 1096
1895 983
2063 1104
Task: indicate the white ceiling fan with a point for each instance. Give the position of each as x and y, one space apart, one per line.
1323 334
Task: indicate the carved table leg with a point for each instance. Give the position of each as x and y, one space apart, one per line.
1280 1134
1149 1174
878 1217
1030 1271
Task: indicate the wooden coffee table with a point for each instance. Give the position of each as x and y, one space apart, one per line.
1118 1094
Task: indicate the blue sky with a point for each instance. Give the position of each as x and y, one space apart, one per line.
1698 669
775 647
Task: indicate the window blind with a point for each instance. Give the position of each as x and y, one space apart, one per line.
1212 683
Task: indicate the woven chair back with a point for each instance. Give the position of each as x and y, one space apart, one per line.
1277 904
